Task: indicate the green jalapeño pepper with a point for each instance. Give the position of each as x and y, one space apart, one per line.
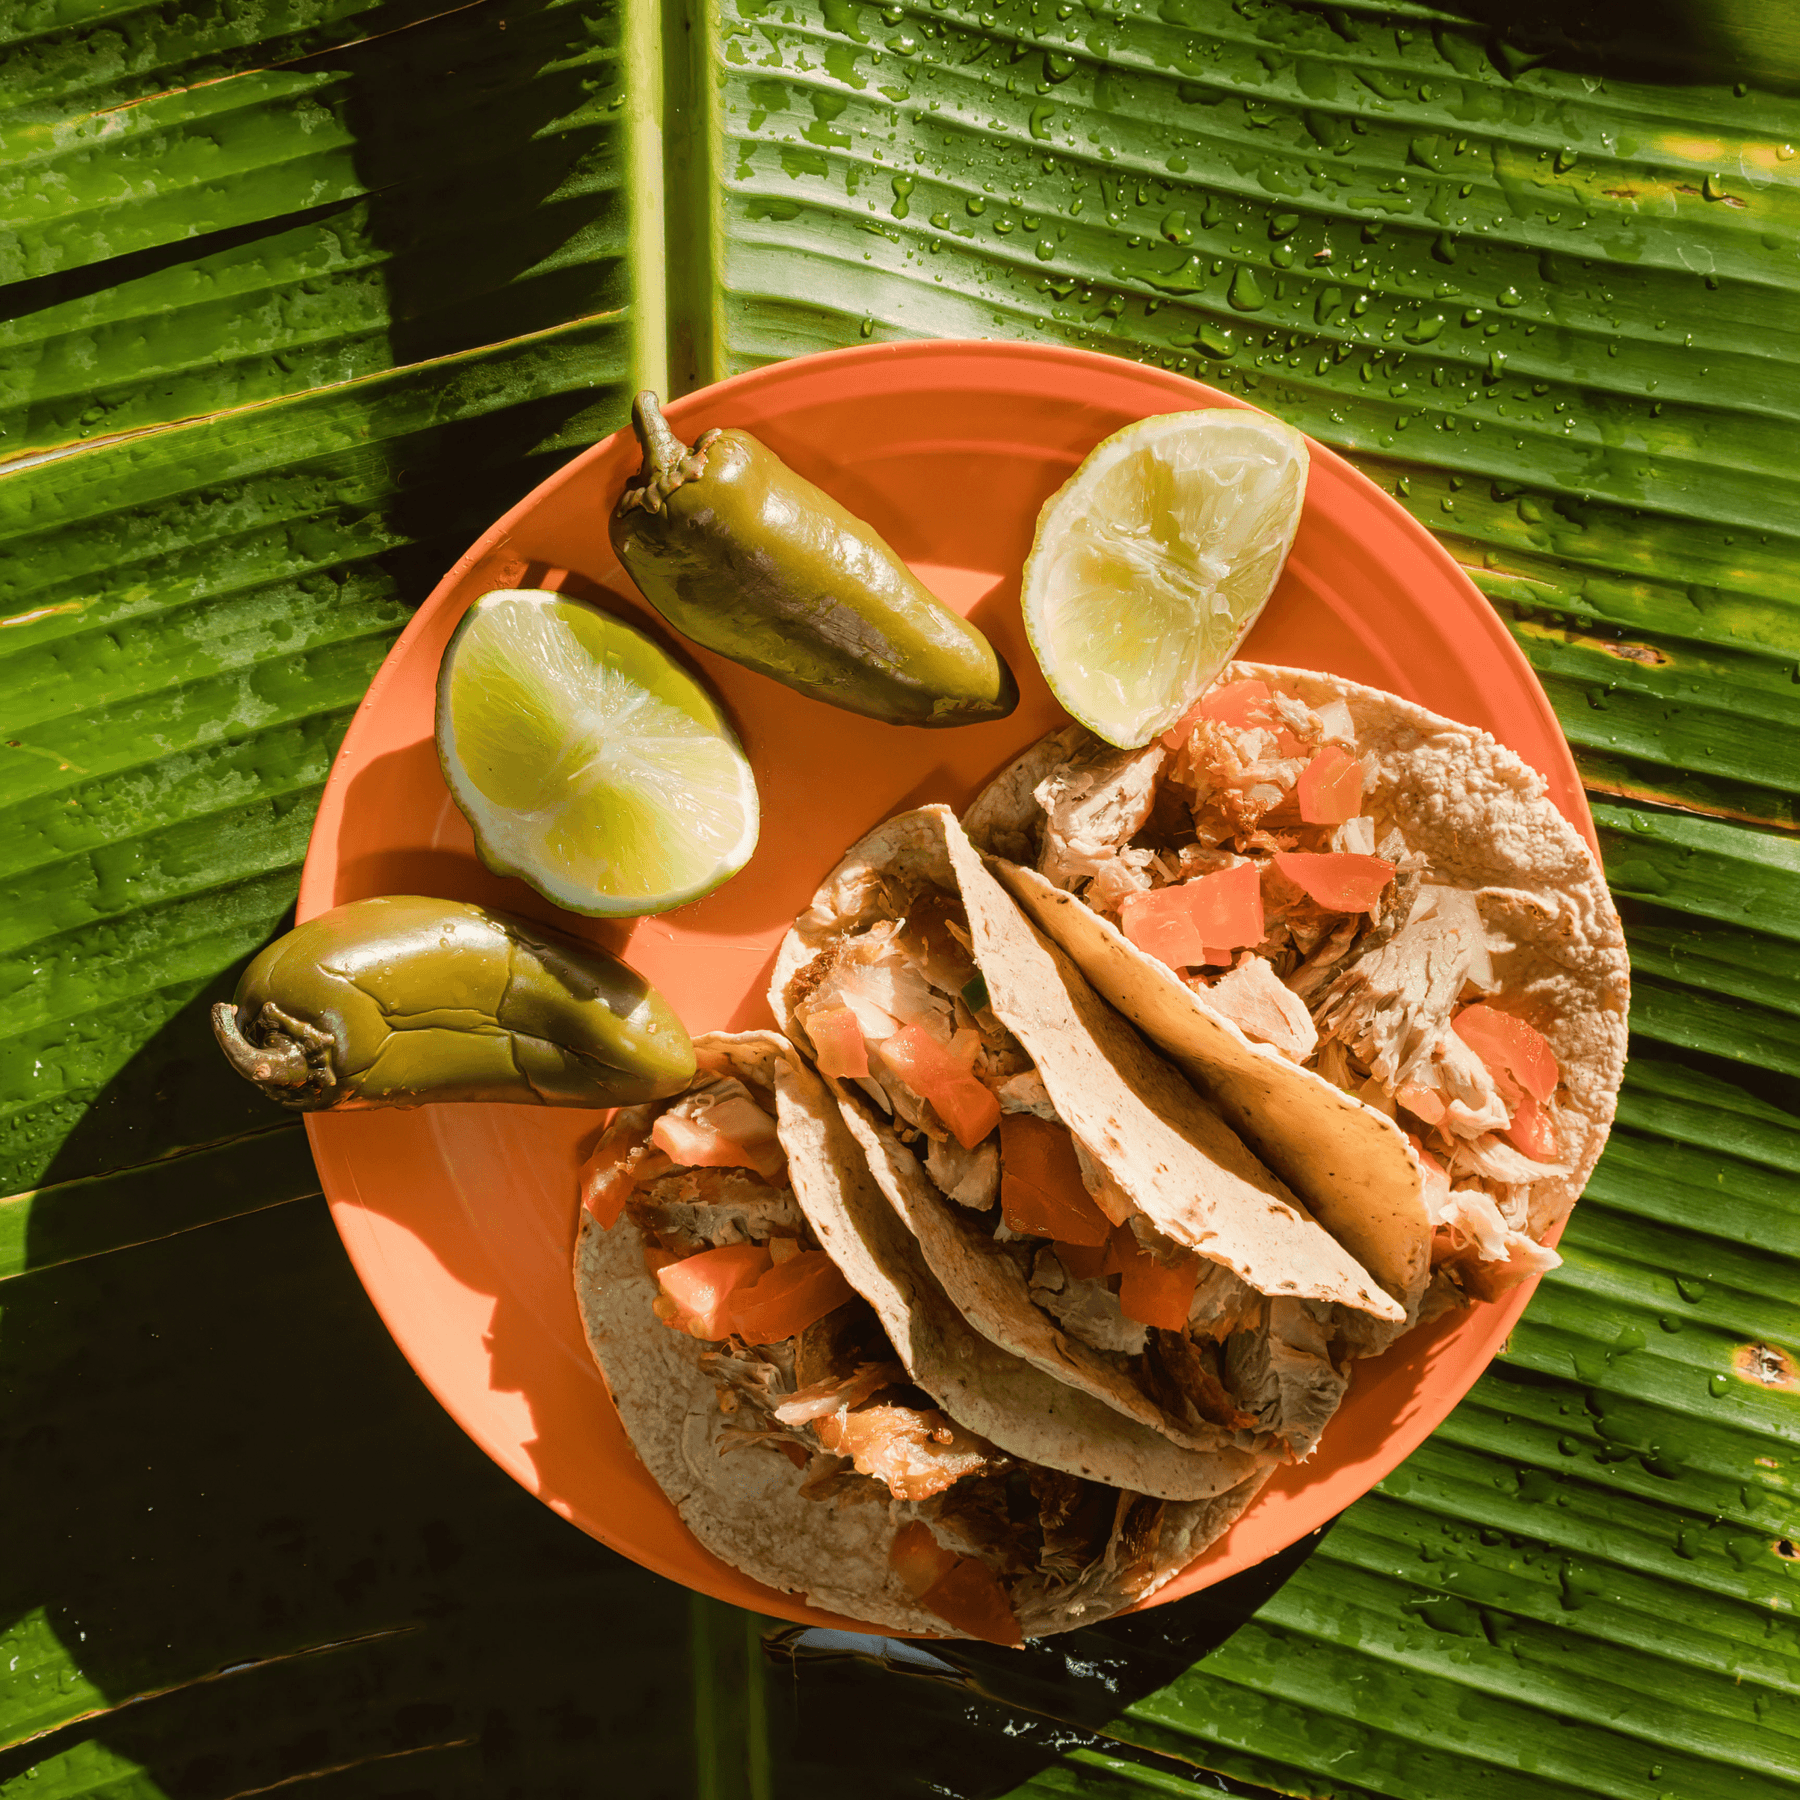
404 1000
744 556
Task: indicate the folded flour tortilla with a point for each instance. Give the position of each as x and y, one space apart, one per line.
1260 1375
768 1497
1462 813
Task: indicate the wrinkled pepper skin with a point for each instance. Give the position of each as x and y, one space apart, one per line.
751 560
406 1000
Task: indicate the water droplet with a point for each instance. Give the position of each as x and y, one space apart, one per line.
1244 293
1423 330
1215 341
1175 228
902 185
1718 1386
1565 160
1691 1288
1509 297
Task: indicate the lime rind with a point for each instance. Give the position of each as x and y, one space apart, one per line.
1152 562
587 761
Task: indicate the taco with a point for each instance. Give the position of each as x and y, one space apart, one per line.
1367 934
1080 1204
785 1415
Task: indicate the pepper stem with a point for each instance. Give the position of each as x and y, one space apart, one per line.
663 450
276 1067
668 462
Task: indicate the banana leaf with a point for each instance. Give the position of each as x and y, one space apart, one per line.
300 297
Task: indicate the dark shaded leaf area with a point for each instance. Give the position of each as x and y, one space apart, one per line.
299 297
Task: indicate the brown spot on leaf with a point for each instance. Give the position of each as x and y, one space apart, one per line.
1637 653
1765 1365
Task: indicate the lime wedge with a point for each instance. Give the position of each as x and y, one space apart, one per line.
1152 561
588 762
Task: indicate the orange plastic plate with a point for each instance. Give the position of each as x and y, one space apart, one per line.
460 1219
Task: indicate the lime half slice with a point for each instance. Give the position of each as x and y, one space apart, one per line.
1152 561
588 762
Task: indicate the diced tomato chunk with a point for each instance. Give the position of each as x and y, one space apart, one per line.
971 1598
1330 787
944 1082
1162 925
1508 1045
1197 922
609 1180
838 1043
791 1296
1041 1192
1340 881
918 1558
1152 1292
1287 746
1083 1261
734 1134
1228 905
1239 703
702 1286
1532 1131
962 1590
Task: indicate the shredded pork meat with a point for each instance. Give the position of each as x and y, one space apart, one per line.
1084 1306
838 1393
1392 1005
915 1452
1264 1009
1185 1375
1093 805
699 1209
1223 1303
970 1177
1285 1375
